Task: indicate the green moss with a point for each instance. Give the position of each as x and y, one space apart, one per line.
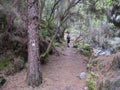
4 63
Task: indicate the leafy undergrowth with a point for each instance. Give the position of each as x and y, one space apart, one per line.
4 62
10 66
57 44
91 80
103 68
84 48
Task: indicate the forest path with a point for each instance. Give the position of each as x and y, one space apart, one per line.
61 73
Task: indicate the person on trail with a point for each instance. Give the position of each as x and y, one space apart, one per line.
68 40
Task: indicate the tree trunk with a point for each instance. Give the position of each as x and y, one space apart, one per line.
34 77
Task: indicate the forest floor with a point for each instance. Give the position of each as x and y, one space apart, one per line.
60 73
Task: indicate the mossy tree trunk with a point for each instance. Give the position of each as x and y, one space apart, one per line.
34 77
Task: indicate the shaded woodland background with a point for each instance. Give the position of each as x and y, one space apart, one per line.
95 23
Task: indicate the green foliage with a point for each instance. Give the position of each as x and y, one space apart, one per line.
85 46
4 63
89 66
56 44
2 21
17 21
75 45
9 69
15 66
105 4
94 75
90 82
11 65
86 53
85 49
46 28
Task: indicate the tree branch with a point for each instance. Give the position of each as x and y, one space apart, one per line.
53 9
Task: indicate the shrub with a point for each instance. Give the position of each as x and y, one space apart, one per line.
86 52
75 45
90 83
56 44
4 63
85 47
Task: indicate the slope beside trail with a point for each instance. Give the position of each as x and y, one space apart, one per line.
60 73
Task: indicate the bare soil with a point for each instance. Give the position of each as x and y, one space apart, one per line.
60 73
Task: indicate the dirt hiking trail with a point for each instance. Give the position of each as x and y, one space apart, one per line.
60 73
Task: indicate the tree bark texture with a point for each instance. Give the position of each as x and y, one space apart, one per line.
34 77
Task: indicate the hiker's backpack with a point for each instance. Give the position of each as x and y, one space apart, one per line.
68 37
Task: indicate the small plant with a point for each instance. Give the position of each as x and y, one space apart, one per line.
100 66
85 46
85 49
90 82
86 52
56 44
75 45
94 75
89 66
4 63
